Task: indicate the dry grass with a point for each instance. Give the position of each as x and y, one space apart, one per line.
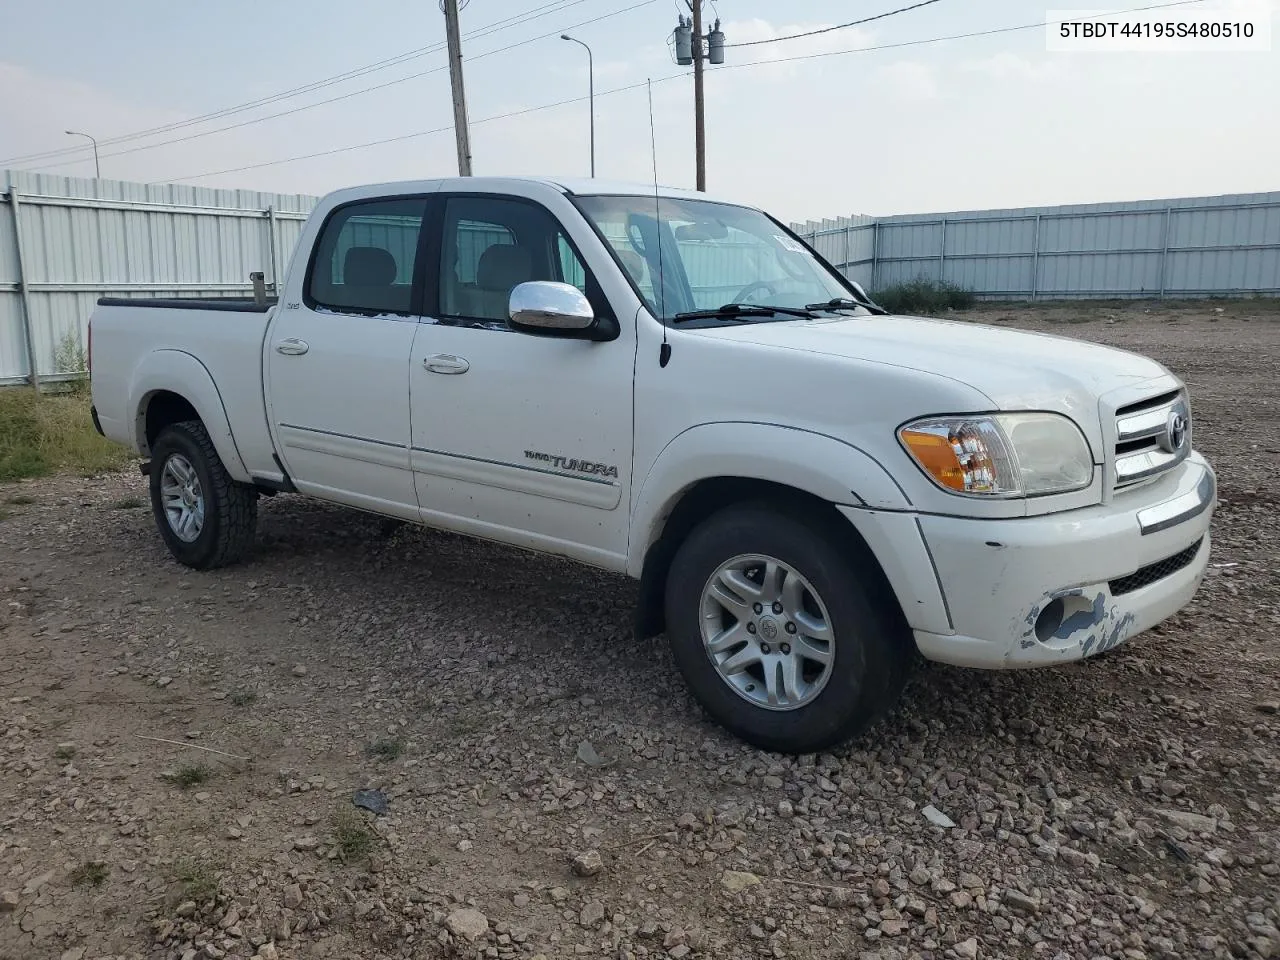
352 836
91 873
45 433
189 775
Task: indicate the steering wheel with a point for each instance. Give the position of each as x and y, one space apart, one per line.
752 287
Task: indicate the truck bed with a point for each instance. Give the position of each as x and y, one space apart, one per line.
220 340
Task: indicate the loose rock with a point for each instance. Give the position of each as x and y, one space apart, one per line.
467 924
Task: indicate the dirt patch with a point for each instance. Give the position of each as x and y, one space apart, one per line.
1124 807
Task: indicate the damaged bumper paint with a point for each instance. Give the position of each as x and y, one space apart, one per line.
1042 590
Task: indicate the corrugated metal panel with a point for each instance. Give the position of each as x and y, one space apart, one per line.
1189 246
85 238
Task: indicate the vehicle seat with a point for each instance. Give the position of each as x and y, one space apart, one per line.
368 278
501 268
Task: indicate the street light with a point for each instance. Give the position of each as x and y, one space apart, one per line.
591 96
97 171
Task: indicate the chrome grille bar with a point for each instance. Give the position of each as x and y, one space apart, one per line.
1147 438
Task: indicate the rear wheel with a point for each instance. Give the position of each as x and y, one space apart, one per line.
785 639
207 519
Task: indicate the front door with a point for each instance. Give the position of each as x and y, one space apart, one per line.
338 362
521 438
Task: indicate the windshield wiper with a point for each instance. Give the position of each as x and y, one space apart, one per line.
844 303
735 310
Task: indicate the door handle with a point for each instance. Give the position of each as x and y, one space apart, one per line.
292 347
446 363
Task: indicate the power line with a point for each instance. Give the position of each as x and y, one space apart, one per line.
555 6
410 136
675 76
838 26
355 93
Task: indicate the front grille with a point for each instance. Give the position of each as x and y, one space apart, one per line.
1143 447
1155 571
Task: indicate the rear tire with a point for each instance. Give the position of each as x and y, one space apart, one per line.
207 519
797 659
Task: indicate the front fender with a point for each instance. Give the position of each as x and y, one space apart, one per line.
815 463
179 372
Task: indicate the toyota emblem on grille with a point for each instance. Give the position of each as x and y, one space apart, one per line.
1175 431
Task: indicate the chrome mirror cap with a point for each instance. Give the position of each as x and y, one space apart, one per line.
548 305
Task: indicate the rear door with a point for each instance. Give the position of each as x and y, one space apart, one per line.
338 360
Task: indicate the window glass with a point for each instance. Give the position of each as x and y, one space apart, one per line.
707 254
571 268
365 257
493 244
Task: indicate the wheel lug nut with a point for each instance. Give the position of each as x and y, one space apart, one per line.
764 648
751 628
786 648
791 628
777 607
758 608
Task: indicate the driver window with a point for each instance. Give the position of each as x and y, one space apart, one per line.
493 244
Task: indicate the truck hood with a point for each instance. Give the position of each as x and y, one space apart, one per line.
1015 369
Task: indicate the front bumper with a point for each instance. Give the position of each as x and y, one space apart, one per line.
1051 589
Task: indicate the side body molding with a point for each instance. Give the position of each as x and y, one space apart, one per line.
179 372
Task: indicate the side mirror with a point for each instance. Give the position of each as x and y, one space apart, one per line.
544 305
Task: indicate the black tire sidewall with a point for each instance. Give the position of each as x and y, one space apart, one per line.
199 552
865 647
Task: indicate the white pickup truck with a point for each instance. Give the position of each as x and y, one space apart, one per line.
678 389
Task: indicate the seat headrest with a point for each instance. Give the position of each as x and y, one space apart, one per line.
503 266
369 267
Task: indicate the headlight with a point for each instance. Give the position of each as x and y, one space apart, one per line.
1001 455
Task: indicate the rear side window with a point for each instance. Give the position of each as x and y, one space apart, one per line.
366 257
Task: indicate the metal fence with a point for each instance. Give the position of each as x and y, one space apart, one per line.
64 242
1188 247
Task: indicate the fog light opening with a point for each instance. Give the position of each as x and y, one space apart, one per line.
1050 619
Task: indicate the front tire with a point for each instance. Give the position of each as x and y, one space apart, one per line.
207 519
786 639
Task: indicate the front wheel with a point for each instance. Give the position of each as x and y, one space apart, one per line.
785 639
206 518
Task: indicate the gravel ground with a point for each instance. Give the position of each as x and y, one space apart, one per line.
552 790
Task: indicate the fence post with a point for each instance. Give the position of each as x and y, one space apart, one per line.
942 255
1035 261
1164 253
24 296
848 256
875 253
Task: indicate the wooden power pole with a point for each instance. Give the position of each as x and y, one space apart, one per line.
699 119
461 132
692 46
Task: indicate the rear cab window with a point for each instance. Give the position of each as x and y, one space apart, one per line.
366 257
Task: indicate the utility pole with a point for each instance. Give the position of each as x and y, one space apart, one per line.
699 117
693 47
461 131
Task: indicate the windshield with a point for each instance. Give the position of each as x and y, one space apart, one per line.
712 254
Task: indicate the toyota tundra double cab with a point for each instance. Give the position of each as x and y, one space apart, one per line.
809 490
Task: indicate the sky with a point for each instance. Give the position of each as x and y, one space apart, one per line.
962 124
